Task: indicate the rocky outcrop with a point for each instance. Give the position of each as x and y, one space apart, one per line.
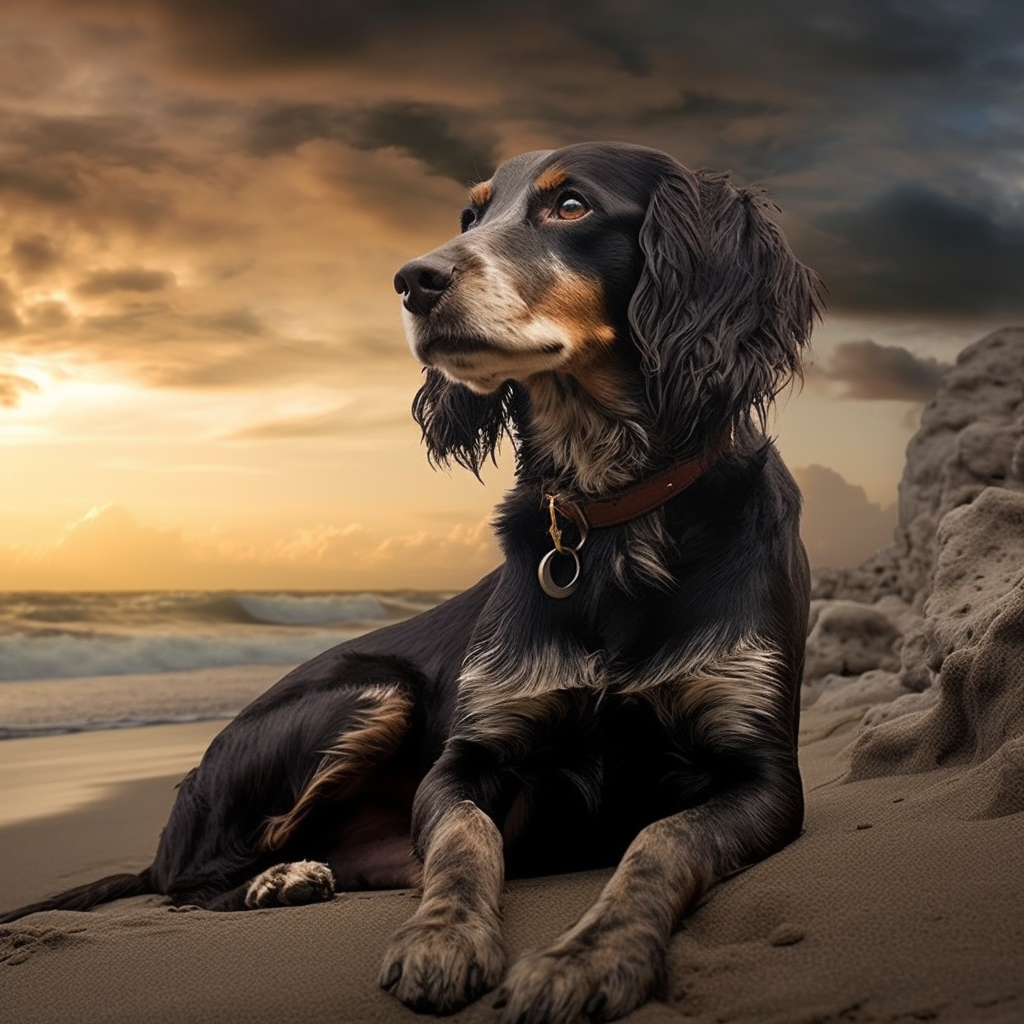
971 437
930 631
974 642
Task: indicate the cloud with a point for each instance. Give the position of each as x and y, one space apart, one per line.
108 548
10 322
449 141
914 249
14 387
114 138
840 527
105 548
34 254
49 186
886 38
887 372
334 423
126 279
446 142
697 103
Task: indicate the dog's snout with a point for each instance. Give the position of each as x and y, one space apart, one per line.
422 282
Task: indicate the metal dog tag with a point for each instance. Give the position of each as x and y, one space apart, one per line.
547 581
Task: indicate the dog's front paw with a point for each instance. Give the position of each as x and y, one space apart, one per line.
587 977
304 881
437 965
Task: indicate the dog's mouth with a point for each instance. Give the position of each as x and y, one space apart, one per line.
456 348
482 363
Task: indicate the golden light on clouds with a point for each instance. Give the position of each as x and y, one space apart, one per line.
107 548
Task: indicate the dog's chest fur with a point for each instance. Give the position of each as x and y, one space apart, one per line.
604 768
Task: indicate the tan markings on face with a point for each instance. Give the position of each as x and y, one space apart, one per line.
600 373
550 179
480 194
577 306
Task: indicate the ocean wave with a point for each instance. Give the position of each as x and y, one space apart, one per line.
21 611
52 654
311 609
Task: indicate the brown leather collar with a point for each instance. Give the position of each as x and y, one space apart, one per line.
642 497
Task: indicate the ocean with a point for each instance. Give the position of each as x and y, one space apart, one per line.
82 661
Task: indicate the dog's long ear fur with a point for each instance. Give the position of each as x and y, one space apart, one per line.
461 426
722 311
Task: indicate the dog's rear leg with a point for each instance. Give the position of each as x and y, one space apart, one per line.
283 885
340 786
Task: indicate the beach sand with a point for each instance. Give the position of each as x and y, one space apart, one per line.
903 901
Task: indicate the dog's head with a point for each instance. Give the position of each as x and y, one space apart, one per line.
667 291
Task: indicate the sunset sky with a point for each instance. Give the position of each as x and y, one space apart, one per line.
203 376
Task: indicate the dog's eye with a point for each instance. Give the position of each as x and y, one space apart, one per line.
468 218
571 207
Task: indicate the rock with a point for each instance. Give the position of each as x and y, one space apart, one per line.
873 687
981 559
974 627
971 437
847 639
938 589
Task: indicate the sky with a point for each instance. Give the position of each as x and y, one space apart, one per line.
203 376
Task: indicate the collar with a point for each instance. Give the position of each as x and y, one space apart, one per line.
640 498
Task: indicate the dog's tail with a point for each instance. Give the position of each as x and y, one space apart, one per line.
85 897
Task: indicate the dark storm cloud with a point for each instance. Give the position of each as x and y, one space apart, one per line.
913 248
230 36
695 103
821 102
84 189
449 145
34 254
872 371
448 141
882 37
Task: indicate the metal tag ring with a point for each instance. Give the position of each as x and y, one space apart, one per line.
547 581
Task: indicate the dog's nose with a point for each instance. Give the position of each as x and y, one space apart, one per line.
422 282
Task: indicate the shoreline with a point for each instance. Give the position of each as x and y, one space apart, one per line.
38 708
43 776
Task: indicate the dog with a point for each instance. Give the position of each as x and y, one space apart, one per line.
623 689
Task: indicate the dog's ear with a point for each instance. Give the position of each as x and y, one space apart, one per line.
461 426
722 311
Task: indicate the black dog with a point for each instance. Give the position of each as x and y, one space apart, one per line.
623 689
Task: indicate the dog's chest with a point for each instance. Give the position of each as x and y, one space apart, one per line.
604 770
